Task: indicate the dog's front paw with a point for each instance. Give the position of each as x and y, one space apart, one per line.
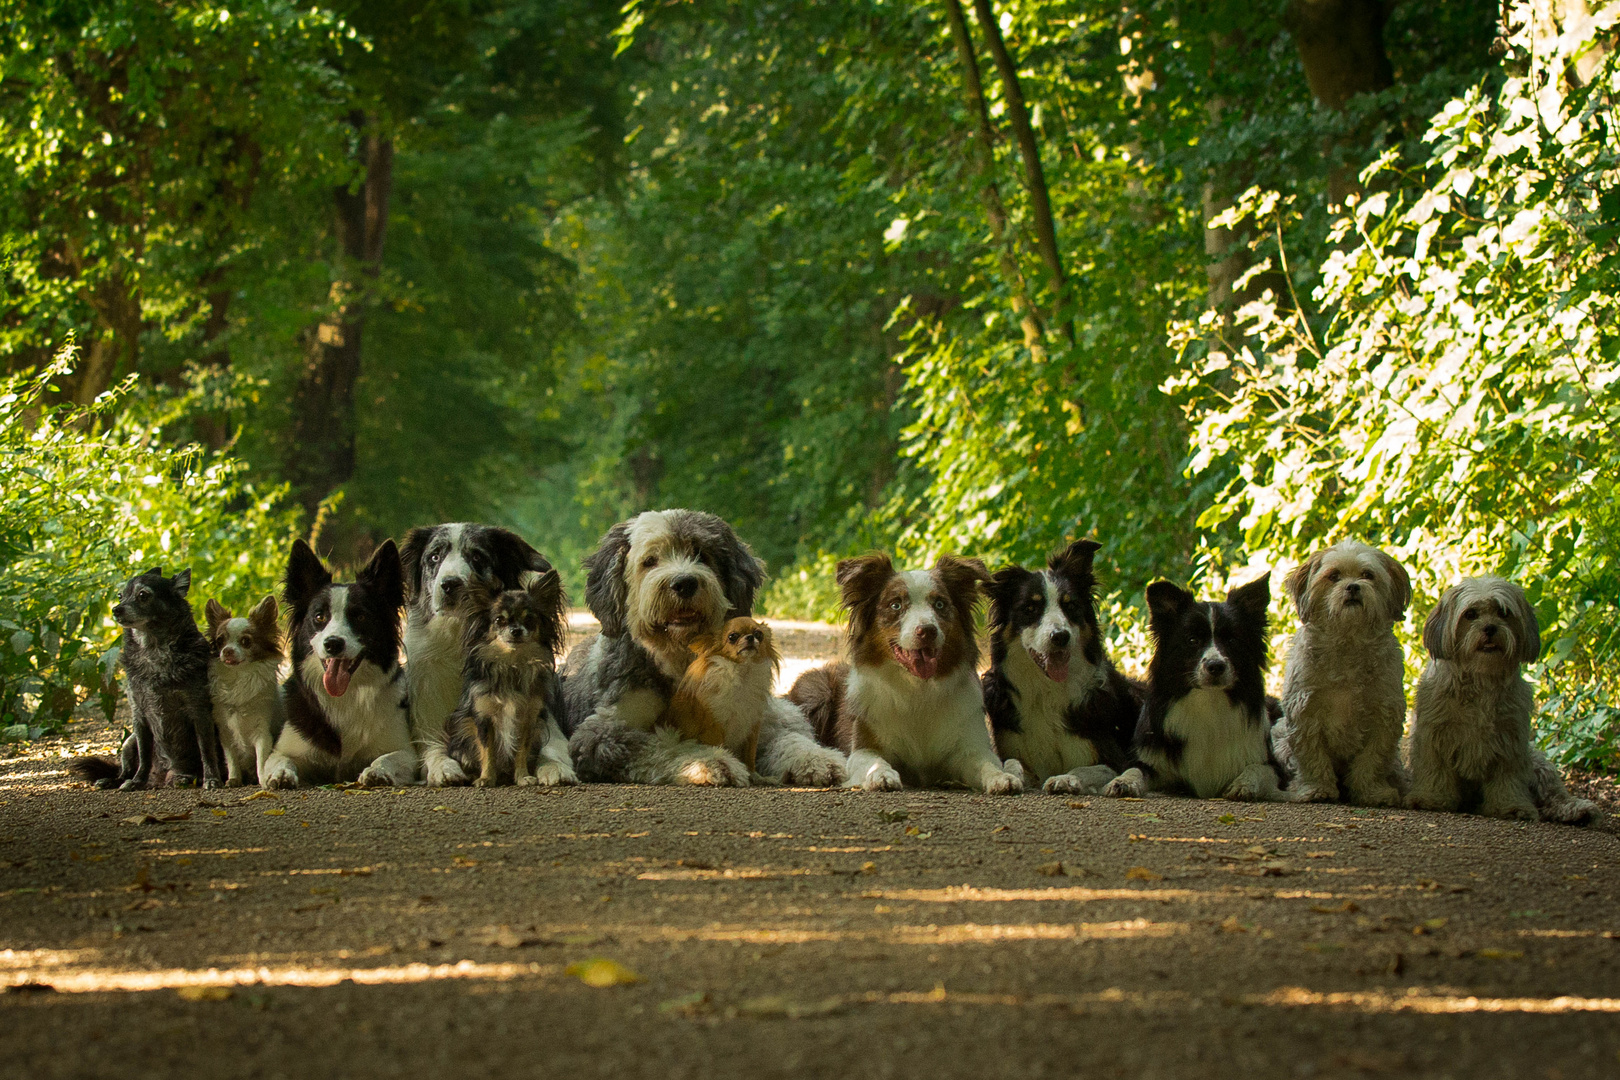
1512 812
815 766
552 774
1004 783
373 776
106 782
235 781
1309 793
442 770
486 781
1088 781
1130 784
211 784
1386 796
280 774
881 777
1423 800
183 780
132 785
526 781
722 770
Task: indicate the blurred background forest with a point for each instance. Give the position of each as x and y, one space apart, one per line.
1211 281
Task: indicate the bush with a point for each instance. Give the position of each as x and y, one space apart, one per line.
1458 402
94 496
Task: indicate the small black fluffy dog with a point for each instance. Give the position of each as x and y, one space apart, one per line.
506 728
165 660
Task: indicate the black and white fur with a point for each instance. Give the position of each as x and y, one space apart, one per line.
1205 726
440 562
1470 747
656 583
347 712
165 660
1055 701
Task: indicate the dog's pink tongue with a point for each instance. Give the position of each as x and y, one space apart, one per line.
919 663
1057 670
336 677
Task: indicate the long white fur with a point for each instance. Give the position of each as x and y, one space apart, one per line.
433 667
247 708
1471 720
1344 698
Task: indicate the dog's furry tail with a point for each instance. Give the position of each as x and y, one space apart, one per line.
92 769
603 749
820 693
1552 797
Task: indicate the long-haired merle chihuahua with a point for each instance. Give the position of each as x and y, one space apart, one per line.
165 660
507 727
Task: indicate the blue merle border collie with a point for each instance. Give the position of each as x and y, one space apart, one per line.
441 562
347 713
1056 703
1205 728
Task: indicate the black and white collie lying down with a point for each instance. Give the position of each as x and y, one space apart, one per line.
907 707
1056 704
347 715
1205 728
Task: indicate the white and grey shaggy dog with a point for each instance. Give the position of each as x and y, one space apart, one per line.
441 562
657 582
1344 693
1470 744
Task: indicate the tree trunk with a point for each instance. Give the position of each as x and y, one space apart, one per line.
118 314
321 453
981 161
1028 150
1341 43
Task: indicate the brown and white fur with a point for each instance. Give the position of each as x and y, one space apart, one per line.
907 706
244 673
506 726
721 699
1344 693
1470 746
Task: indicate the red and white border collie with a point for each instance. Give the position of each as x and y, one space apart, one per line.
907 707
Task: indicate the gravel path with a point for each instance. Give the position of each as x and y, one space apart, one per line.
774 932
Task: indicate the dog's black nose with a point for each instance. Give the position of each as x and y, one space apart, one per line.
334 646
927 632
1060 638
684 587
1353 589
450 587
1489 630
1215 666
516 631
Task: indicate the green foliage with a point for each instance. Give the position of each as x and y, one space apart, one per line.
94 495
1458 404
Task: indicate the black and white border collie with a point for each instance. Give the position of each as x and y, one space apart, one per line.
440 562
907 707
347 714
1056 703
1206 728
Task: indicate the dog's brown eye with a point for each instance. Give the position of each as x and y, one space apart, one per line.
649 562
1065 598
1366 575
246 640
1470 614
731 639
1333 576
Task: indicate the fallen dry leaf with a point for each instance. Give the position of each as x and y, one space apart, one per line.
258 795
277 812
205 993
1142 873
1499 954
602 973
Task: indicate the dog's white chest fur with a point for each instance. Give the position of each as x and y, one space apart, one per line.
368 716
1043 742
241 688
924 724
1219 740
736 695
433 671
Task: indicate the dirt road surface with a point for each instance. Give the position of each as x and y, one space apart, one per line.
773 932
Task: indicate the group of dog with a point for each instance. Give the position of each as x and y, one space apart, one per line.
677 686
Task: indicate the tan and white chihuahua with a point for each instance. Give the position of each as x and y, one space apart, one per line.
244 673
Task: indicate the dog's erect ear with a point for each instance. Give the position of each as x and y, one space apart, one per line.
217 615
606 593
410 555
1400 585
306 575
1166 600
1074 562
385 574
476 597
545 589
861 578
182 583
264 619
1253 598
156 571
1003 589
1298 583
962 578
1437 628
1527 633
514 556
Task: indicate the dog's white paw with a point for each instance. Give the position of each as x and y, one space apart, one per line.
527 781
375 776
442 770
723 770
1130 784
1005 782
280 774
552 774
815 766
1309 793
1088 781
1242 789
881 777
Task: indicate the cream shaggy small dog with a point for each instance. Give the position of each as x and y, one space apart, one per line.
1470 745
1344 698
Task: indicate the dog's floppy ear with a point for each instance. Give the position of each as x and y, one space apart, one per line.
217 615
1074 562
514 556
410 555
1437 628
1400 584
1298 583
741 571
1253 598
962 577
306 576
860 578
1527 633
1002 589
1166 600
605 591
182 582
385 574
264 618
